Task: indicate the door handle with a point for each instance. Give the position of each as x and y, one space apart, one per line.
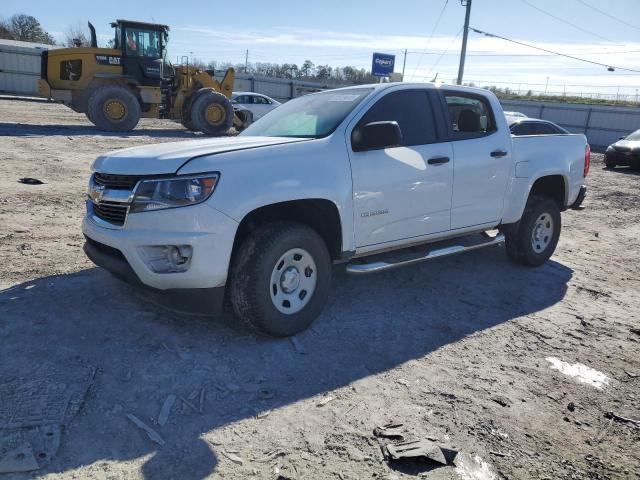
438 160
498 153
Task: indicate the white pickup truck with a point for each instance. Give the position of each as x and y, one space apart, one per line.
353 176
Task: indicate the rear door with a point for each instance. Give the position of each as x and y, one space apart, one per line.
482 159
402 192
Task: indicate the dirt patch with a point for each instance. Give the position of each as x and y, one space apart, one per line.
455 350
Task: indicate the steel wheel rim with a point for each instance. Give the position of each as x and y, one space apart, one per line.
293 281
215 114
542 233
114 109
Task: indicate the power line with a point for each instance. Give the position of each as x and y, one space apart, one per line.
443 54
433 30
551 51
608 14
566 21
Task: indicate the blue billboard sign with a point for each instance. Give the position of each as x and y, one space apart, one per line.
383 64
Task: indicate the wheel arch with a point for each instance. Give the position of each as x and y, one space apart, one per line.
320 214
80 98
554 186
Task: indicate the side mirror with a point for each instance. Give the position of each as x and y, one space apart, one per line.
622 138
376 136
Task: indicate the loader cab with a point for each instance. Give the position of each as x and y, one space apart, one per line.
143 47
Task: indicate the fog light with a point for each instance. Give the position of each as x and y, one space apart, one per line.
167 258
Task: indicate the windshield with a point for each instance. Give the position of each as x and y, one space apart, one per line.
634 137
311 116
142 43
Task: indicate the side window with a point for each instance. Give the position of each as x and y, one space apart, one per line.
522 128
260 100
243 99
411 109
71 70
470 115
544 129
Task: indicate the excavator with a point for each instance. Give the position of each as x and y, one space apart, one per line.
115 87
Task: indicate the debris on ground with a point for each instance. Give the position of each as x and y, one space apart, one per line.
297 345
325 400
166 410
390 430
621 419
233 457
30 181
580 372
420 449
151 433
272 455
474 468
501 400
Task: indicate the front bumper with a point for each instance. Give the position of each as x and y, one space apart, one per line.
204 301
209 232
622 159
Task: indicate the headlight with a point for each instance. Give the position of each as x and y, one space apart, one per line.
173 192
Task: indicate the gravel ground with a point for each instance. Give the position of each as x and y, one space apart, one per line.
470 352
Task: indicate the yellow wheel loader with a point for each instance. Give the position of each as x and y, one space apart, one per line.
116 86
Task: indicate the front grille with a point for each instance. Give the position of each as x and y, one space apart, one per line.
117 182
114 213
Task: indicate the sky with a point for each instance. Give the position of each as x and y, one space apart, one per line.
342 33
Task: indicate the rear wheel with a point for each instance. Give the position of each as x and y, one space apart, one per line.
212 113
535 239
280 279
113 108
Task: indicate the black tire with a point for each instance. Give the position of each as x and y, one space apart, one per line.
609 163
186 120
252 271
126 112
245 116
212 101
520 241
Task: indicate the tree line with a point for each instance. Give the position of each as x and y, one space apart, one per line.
306 71
24 28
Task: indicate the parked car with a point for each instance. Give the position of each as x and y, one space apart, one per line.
258 104
354 175
513 116
624 152
534 126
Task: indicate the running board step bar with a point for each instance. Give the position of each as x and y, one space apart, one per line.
373 267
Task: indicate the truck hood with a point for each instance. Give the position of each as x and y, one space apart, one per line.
166 158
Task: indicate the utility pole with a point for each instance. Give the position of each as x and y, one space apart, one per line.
246 61
546 86
404 63
463 52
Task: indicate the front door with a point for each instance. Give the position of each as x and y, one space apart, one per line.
402 192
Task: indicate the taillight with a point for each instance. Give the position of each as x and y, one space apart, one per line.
587 160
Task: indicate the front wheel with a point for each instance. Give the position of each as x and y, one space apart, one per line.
535 239
609 163
280 279
212 113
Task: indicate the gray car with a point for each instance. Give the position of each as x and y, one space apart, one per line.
625 152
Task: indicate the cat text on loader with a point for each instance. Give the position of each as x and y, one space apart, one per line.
116 86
